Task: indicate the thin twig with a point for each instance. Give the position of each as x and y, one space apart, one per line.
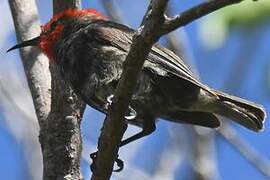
26 133
237 75
15 105
247 151
194 13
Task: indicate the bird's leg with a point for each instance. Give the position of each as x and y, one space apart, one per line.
148 123
148 127
118 161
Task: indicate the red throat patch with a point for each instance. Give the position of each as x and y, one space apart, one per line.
48 41
49 37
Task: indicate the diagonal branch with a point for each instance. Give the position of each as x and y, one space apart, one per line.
15 106
194 13
114 125
247 151
153 26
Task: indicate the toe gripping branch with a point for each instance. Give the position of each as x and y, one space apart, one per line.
118 161
148 127
131 115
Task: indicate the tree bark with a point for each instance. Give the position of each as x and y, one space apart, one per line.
59 110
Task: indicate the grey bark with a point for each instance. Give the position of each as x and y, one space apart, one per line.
59 111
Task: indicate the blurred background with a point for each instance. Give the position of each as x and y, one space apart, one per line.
229 50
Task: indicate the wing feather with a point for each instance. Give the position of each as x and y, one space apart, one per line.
120 36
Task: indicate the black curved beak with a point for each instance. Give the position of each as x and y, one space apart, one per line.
31 42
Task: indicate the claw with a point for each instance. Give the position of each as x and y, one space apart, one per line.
118 161
132 113
120 165
93 156
109 101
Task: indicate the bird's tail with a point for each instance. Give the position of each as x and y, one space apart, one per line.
244 112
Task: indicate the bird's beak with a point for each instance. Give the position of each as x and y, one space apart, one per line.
31 42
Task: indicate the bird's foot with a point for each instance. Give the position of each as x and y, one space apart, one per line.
93 166
131 112
118 161
109 101
120 164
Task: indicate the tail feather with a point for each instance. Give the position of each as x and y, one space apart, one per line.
244 112
196 118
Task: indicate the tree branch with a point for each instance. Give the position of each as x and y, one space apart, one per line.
113 127
58 110
232 83
194 13
36 65
249 153
111 10
153 26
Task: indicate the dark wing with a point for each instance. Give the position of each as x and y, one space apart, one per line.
120 36
174 65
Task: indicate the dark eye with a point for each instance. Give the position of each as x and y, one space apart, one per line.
55 24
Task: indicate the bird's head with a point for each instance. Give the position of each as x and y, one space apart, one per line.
51 32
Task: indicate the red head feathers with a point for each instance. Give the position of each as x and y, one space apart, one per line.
51 31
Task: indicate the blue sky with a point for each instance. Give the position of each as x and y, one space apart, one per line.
142 158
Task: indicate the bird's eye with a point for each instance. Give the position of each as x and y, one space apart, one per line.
55 24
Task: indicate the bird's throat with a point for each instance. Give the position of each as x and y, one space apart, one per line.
48 41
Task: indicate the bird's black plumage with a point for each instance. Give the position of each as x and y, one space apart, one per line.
91 58
90 52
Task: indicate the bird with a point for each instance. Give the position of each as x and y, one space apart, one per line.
90 50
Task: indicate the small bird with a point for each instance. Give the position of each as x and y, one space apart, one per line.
90 50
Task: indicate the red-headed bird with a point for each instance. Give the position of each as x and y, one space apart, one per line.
90 51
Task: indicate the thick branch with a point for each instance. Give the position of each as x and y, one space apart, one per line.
113 127
59 111
36 65
152 27
61 138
